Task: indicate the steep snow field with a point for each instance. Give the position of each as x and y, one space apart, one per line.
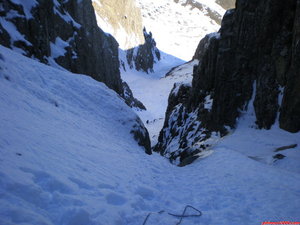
68 158
177 28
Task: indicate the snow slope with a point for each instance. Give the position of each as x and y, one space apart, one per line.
177 28
56 127
68 158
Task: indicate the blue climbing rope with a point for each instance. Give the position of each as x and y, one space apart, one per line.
199 213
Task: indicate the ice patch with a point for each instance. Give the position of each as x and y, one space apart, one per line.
208 102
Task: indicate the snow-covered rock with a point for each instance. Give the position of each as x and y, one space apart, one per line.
144 57
247 64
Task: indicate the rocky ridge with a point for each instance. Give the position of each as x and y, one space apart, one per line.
254 57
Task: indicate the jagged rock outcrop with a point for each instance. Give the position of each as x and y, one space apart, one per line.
257 54
144 56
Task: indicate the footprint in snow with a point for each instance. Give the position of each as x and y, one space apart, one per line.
80 183
47 182
115 199
145 192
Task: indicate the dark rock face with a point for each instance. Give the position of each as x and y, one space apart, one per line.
144 56
290 108
203 45
256 55
69 27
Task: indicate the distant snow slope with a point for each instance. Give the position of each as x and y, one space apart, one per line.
153 89
67 158
178 27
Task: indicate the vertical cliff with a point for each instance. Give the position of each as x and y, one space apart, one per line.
255 54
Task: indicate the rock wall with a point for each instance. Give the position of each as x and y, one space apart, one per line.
257 54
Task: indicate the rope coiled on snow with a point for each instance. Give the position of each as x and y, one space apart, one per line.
175 215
